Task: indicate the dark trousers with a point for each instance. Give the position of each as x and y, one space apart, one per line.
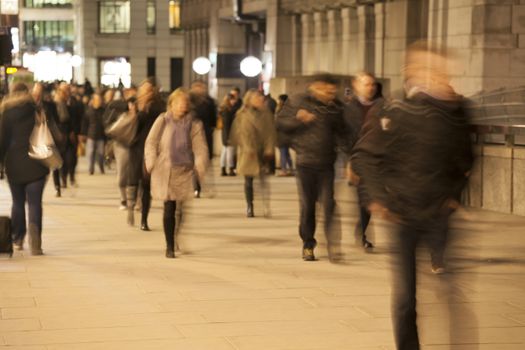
406 240
286 159
314 185
70 164
168 220
32 193
136 176
364 215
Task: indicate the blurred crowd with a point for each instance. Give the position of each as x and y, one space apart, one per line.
408 158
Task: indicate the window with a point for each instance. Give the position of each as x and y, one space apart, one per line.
151 67
51 35
151 17
48 3
115 71
174 9
113 16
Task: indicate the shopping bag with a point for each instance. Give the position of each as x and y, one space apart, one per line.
42 146
124 130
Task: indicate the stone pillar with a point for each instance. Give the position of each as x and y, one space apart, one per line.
320 44
280 40
296 45
365 36
334 50
379 10
349 40
307 47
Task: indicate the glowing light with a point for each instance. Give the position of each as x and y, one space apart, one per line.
251 66
201 65
11 70
76 61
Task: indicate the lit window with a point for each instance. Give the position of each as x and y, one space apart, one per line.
174 15
48 3
115 72
151 16
113 16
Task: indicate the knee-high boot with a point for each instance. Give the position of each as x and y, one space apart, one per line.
131 197
248 193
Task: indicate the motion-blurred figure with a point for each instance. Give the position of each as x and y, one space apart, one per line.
253 133
284 147
227 113
413 161
175 151
356 111
313 125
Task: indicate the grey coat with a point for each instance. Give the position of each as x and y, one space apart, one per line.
174 183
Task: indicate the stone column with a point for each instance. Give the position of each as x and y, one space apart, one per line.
333 52
348 40
365 36
296 45
187 63
320 45
379 10
307 48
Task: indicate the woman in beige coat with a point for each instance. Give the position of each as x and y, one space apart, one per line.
253 133
175 150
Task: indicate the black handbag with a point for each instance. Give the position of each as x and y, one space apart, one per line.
6 240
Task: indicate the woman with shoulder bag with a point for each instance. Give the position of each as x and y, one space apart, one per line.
26 176
175 150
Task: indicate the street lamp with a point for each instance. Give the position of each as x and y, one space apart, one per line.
251 66
201 65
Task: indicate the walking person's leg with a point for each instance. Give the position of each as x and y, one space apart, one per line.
332 228
90 155
122 161
146 204
18 214
223 160
34 192
100 149
248 194
308 191
230 159
56 182
168 220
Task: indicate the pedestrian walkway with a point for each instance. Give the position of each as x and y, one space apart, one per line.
240 284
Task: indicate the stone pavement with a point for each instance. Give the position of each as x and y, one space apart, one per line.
240 283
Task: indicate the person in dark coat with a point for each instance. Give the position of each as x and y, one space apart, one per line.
413 160
314 127
227 114
93 130
356 111
205 109
282 144
149 107
26 176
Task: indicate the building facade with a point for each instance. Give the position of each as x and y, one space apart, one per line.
297 38
110 42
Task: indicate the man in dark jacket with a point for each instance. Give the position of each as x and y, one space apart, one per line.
412 160
356 111
204 109
313 124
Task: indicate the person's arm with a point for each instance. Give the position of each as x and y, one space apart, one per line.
152 144
5 140
200 148
270 137
291 117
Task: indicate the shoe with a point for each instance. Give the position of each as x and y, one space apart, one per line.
170 254
368 245
438 269
232 172
145 227
19 245
223 172
37 252
197 194
249 211
58 194
308 254
122 206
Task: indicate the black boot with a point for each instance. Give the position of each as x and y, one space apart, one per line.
232 172
249 210
144 226
58 193
223 171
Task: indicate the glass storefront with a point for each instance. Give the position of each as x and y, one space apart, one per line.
115 72
48 3
49 35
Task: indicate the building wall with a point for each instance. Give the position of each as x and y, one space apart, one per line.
137 45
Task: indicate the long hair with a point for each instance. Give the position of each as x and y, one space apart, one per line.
225 105
247 99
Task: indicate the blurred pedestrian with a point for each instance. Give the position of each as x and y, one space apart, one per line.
413 162
175 151
313 122
25 175
283 143
93 130
253 133
228 151
356 111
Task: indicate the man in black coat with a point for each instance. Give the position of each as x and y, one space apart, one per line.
357 108
412 160
313 124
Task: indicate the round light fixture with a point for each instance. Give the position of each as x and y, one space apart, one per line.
201 65
76 61
251 66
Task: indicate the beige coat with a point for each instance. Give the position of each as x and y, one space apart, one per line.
253 133
173 182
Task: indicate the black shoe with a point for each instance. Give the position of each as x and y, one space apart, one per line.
170 254
368 245
223 172
144 227
58 194
232 172
249 211
308 254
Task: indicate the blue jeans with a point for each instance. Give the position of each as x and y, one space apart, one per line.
95 151
286 159
32 192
